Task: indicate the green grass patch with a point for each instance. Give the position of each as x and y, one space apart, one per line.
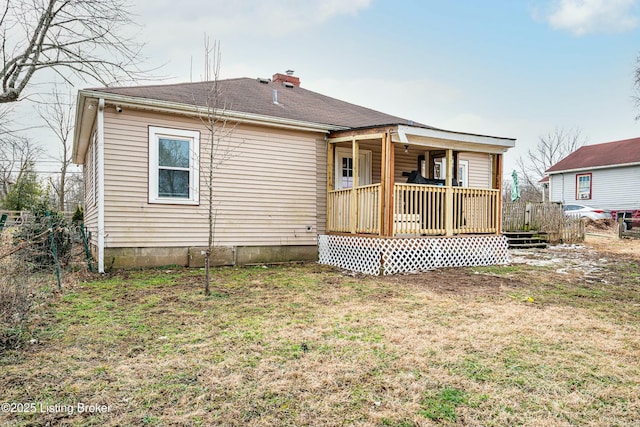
441 405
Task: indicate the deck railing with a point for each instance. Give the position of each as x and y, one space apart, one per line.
417 210
369 205
338 209
354 210
475 210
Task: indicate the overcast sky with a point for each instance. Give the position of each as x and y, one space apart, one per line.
497 67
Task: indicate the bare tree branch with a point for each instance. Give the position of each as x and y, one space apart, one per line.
16 154
58 117
87 38
551 148
220 148
636 84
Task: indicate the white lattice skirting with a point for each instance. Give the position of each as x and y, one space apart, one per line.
378 255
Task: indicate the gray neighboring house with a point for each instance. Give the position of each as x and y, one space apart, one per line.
603 175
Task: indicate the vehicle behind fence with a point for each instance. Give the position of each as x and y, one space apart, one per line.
544 218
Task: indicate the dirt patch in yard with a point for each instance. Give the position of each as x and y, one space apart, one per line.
589 262
602 236
608 243
452 281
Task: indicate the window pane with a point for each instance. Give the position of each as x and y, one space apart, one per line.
347 167
584 183
173 153
173 183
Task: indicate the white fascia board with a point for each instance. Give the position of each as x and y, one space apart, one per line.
86 111
578 170
448 139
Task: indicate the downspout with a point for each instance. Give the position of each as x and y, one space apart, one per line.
100 178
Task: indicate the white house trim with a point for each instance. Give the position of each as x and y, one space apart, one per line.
431 136
100 178
193 139
590 168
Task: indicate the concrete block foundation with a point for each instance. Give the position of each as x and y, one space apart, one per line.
128 258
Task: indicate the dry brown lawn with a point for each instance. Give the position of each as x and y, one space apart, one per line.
550 340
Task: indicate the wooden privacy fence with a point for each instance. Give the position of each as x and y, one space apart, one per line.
546 218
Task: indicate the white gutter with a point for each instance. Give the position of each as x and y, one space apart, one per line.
100 178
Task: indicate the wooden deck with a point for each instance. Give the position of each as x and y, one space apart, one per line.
418 210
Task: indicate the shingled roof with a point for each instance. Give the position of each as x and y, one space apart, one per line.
600 155
256 96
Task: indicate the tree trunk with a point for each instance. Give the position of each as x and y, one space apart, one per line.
207 281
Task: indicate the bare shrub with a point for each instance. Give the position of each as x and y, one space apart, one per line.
16 294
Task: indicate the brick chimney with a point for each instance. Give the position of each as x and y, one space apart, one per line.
286 78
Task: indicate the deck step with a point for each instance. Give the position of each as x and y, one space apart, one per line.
525 239
541 245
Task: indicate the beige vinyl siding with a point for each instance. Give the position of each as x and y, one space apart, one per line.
376 155
404 162
265 193
91 207
479 169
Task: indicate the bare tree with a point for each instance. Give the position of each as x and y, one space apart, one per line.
636 83
59 118
551 148
16 155
74 192
5 120
220 148
85 38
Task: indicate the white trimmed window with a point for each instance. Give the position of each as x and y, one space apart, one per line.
173 166
583 186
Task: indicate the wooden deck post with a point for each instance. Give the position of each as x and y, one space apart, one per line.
388 181
355 205
448 195
383 186
330 181
497 184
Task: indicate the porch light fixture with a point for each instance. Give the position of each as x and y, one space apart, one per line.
406 148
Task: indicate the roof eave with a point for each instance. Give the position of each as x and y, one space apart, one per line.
199 111
590 168
446 139
86 110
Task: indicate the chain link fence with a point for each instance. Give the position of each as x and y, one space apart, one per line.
38 249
